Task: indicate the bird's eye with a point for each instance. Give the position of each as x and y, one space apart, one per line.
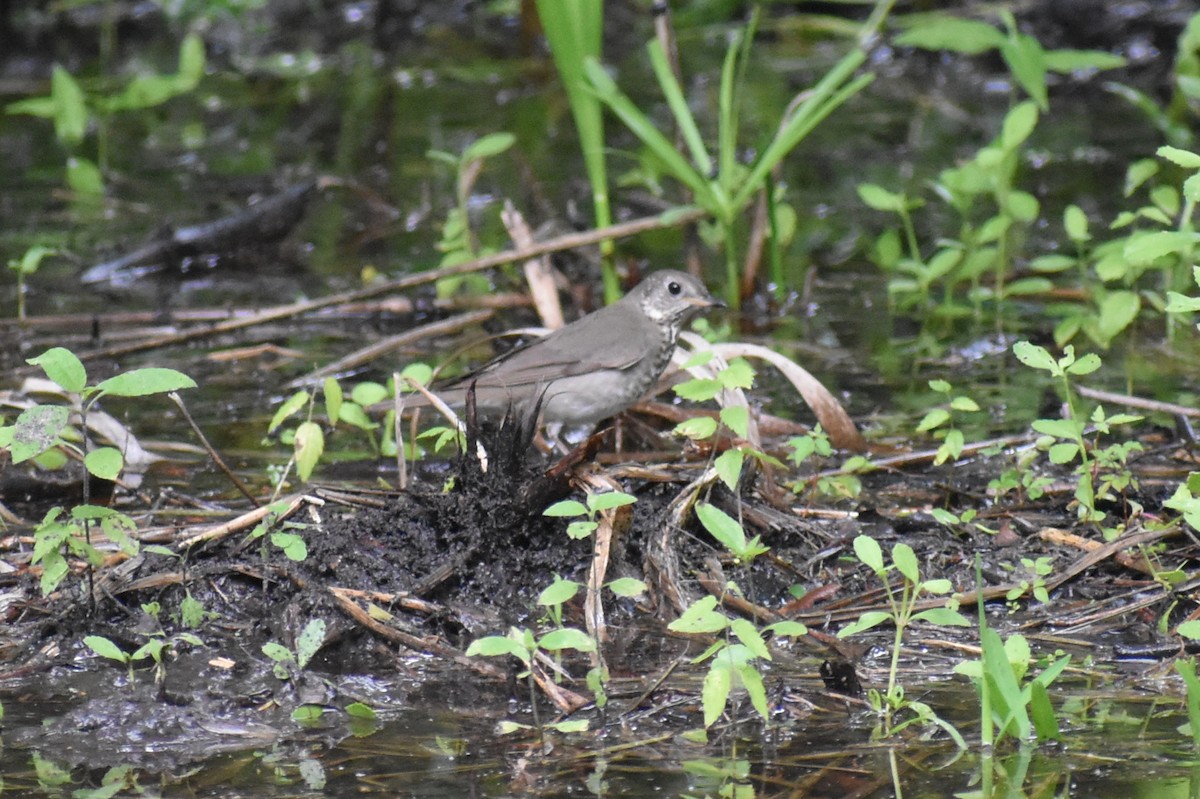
674 288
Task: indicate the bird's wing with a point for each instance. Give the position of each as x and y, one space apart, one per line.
606 345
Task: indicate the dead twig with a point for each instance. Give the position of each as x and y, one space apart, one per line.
378 349
246 521
212 452
431 644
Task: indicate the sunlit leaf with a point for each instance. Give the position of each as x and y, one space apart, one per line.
63 367
567 638
143 382
104 462
309 447
105 648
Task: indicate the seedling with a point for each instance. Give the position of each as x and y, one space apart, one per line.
1010 706
1063 439
41 429
289 663
940 420
731 663
595 503
1032 581
902 603
524 645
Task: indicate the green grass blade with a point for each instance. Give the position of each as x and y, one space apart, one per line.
679 107
824 98
642 127
574 31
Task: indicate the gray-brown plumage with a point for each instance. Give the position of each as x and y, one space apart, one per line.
596 366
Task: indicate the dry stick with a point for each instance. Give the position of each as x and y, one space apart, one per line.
538 272
212 453
382 347
245 521
1137 402
567 242
416 643
602 540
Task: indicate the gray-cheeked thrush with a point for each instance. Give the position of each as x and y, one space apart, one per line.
596 366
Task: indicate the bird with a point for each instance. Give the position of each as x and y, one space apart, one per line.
594 367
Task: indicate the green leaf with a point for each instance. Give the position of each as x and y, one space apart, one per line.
697 428
869 553
737 419
144 382
752 681
1144 248
360 710
70 108
748 634
944 32
628 587
1117 311
309 446
490 145
495 645
1065 60
332 392
906 562
292 546
1018 124
105 463
790 629
63 367
1045 721
571 725
1026 60
879 198
581 530
37 429
698 389
290 406
964 404
105 648
1138 173
31 261
1075 223
728 466
353 414
1034 356
567 638
609 500
1085 365
700 617
558 592
935 418
310 640
943 617
722 526
567 507
1069 429
1189 629
715 692
1023 206
368 393
1184 158
307 714
867 620
84 178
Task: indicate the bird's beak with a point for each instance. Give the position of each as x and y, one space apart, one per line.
705 302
